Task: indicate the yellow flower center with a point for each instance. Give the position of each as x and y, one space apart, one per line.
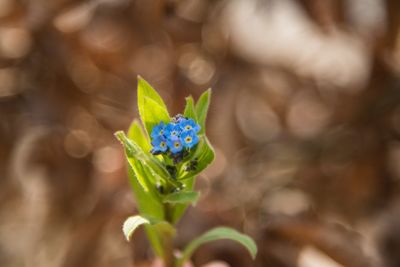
177 145
188 139
162 144
188 127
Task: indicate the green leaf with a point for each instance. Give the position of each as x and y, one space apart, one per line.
149 206
153 114
190 111
204 155
152 108
142 183
182 197
131 224
137 134
218 234
202 108
179 208
155 240
131 151
156 168
146 90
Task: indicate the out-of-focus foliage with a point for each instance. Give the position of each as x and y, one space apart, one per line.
305 121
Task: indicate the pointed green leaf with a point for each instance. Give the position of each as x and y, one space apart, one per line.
133 161
142 181
137 134
152 108
131 224
146 90
218 234
153 114
135 152
183 197
152 163
190 111
202 108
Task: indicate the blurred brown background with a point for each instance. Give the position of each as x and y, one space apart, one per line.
305 119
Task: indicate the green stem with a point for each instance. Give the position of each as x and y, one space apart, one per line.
169 257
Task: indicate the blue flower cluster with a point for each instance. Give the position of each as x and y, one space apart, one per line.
174 137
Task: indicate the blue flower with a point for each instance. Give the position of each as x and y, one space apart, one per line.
172 130
159 145
175 137
158 130
189 124
174 144
189 138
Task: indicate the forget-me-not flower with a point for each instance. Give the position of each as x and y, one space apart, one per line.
175 138
172 130
189 124
189 138
158 130
159 144
174 145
